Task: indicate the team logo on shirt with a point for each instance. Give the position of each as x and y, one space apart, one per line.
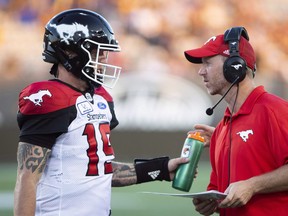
37 98
245 134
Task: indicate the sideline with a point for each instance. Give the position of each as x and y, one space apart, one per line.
6 200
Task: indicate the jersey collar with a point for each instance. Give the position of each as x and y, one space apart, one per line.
249 103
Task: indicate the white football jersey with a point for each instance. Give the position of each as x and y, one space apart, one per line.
77 177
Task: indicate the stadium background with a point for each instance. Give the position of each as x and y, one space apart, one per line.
159 96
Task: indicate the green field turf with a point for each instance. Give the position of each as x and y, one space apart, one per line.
126 201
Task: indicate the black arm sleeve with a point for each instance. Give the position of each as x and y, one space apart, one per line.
114 122
42 130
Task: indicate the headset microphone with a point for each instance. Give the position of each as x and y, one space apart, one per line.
209 111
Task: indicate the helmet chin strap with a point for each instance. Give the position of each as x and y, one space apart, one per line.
75 67
96 85
54 70
72 65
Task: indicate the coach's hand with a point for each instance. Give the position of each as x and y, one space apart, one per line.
205 207
206 131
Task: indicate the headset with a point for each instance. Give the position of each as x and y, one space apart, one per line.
234 68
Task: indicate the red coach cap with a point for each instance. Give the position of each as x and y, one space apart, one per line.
217 46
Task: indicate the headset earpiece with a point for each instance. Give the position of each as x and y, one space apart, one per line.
234 67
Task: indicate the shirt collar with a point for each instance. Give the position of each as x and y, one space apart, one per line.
247 106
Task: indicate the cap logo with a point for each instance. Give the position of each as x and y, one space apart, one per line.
226 52
67 31
212 38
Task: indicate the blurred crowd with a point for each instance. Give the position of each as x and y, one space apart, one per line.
152 33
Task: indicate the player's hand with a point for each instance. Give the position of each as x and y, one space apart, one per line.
205 207
173 164
239 193
206 131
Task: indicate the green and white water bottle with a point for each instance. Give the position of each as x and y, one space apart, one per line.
192 149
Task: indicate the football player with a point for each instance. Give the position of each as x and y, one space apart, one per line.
65 158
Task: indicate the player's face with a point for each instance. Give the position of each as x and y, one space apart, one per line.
102 55
212 74
102 58
102 73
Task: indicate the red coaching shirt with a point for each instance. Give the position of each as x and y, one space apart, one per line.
253 142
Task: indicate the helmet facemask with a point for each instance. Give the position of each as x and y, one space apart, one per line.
97 68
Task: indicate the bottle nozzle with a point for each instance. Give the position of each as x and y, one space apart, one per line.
196 135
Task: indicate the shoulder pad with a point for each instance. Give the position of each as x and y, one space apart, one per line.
46 96
103 92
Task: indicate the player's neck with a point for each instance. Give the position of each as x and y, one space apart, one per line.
69 78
